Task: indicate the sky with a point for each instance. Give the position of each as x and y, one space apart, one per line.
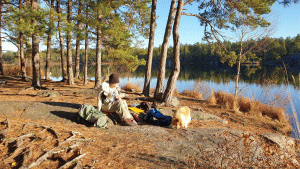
285 19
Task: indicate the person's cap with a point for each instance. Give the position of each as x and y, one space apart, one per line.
113 78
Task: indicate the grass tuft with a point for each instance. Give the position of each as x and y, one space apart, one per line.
247 105
16 71
130 86
192 94
212 99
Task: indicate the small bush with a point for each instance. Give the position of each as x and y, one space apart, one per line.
16 70
223 98
212 99
193 94
176 93
130 86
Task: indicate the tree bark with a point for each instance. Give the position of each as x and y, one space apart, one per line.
150 50
77 61
238 71
22 56
61 41
86 49
69 46
98 60
164 53
36 76
176 56
1 59
98 53
49 43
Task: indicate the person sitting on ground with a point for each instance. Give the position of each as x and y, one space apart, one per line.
111 97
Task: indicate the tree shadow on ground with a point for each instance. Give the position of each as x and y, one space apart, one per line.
160 160
66 115
63 104
73 117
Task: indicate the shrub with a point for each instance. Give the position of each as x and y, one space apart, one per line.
130 86
193 94
212 99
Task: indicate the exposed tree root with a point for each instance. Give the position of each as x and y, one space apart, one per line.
37 140
4 127
75 160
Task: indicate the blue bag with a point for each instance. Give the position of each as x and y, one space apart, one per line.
154 117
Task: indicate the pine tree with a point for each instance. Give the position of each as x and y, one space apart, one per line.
36 75
86 46
114 28
69 44
1 59
167 98
50 32
78 39
163 55
150 49
61 40
21 38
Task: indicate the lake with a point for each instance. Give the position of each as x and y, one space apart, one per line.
270 85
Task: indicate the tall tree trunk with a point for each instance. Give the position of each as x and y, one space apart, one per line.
1 59
22 56
77 61
237 76
61 41
239 59
150 50
49 43
176 56
69 45
164 53
36 76
86 48
98 60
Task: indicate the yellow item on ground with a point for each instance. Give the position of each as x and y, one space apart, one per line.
136 110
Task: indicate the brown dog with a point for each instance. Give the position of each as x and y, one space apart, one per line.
181 118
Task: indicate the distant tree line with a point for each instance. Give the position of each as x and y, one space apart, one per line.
198 53
204 53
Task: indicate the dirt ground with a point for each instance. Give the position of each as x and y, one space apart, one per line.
43 132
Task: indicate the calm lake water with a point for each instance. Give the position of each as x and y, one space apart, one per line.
270 85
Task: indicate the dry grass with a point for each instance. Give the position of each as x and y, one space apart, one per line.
176 93
212 99
192 94
250 106
16 71
130 86
202 87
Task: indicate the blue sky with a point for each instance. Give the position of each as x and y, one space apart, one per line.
286 19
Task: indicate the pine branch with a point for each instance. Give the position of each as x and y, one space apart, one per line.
214 31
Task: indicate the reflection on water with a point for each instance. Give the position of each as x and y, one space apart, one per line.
266 84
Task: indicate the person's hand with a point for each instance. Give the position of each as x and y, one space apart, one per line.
118 97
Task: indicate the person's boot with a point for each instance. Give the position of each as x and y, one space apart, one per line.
129 122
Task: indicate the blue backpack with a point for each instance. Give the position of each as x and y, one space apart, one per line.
154 117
